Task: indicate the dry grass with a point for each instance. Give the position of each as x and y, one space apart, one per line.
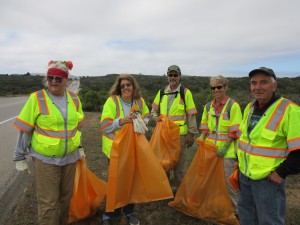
155 213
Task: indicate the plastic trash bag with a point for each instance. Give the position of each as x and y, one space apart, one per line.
135 175
203 193
165 142
89 191
234 179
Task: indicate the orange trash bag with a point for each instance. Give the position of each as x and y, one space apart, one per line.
234 179
89 191
165 142
203 193
135 175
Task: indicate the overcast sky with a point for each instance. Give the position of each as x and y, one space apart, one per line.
204 38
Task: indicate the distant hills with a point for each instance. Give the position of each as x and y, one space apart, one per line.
94 90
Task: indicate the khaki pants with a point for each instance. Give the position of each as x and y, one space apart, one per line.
54 186
228 167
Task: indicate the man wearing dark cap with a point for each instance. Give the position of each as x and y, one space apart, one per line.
268 151
176 102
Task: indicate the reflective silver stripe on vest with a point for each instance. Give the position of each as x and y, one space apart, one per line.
233 128
294 144
42 102
227 110
75 99
22 126
263 151
105 123
219 137
191 111
239 133
140 104
277 115
176 118
81 123
203 126
114 97
56 134
155 106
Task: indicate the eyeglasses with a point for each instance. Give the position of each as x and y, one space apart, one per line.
172 74
217 87
57 79
122 86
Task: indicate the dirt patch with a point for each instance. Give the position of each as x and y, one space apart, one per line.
155 213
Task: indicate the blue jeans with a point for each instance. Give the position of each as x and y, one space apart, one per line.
261 202
127 210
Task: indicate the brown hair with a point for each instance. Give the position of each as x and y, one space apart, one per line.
116 89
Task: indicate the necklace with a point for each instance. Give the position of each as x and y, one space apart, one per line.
126 102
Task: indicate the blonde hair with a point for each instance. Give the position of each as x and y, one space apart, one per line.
116 89
219 79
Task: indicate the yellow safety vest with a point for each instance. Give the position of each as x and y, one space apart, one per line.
277 132
51 135
228 121
112 110
178 110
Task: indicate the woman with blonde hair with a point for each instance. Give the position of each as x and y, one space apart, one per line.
220 122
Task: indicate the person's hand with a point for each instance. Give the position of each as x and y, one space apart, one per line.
22 166
222 151
157 119
125 120
190 140
81 152
275 178
202 137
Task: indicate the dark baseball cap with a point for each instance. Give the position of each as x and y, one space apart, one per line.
265 70
174 68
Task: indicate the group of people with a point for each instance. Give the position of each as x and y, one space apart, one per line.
263 141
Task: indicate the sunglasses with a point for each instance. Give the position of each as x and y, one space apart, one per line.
57 79
172 74
217 87
122 86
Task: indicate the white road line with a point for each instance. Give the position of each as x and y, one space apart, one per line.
8 120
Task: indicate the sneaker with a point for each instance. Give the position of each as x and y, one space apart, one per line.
106 222
133 220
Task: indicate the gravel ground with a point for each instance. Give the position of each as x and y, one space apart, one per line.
155 213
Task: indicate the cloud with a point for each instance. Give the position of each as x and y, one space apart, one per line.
140 36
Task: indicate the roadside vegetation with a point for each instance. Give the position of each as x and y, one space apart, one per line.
94 89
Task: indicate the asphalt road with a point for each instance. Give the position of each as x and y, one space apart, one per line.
9 110
12 183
